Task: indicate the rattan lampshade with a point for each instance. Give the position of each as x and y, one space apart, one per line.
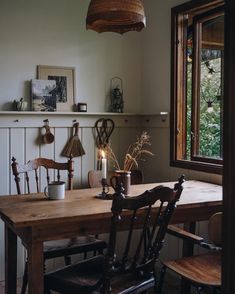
118 16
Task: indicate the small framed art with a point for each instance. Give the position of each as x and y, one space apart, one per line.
43 95
65 84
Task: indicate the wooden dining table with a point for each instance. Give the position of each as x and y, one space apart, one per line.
35 219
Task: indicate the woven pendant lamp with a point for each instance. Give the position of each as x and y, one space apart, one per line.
118 16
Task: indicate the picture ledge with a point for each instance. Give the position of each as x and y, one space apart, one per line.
80 113
26 119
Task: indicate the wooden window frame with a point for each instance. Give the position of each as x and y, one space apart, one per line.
197 24
178 88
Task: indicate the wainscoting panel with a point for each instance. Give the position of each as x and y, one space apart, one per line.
4 161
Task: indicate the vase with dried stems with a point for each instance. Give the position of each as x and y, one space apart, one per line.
135 152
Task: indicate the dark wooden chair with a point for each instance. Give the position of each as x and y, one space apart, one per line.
58 248
203 271
137 177
133 270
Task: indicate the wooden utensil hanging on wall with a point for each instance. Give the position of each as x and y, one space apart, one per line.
48 137
104 129
73 148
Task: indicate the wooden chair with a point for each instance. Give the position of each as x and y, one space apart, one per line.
34 166
133 271
137 177
65 247
94 178
204 270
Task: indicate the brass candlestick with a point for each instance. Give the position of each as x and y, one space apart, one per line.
105 190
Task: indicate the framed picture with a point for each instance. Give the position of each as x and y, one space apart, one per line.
44 95
65 84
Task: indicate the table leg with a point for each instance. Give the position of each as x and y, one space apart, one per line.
10 261
187 251
35 268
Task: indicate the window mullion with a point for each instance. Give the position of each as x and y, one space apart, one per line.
196 73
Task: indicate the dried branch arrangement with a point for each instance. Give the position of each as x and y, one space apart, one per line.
134 153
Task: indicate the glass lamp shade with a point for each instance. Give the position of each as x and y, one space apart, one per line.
118 16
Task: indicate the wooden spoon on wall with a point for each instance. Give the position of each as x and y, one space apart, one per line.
48 137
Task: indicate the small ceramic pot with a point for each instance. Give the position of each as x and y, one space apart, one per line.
20 105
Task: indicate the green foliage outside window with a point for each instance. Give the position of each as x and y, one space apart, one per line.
210 132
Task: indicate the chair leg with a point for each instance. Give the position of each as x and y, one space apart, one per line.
158 286
101 251
198 290
25 279
216 290
46 291
67 260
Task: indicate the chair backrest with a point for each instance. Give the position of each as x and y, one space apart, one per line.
139 256
94 178
31 170
215 228
137 177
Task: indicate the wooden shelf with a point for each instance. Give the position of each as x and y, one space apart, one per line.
80 113
25 119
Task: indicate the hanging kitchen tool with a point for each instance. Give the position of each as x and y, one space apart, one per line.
48 137
73 148
104 129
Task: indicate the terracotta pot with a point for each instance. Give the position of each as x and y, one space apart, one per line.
122 177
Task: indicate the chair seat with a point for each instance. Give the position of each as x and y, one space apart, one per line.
127 283
81 277
86 277
76 245
203 269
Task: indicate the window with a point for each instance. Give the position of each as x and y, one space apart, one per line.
197 85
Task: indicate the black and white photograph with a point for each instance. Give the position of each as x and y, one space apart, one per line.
61 88
44 95
65 84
